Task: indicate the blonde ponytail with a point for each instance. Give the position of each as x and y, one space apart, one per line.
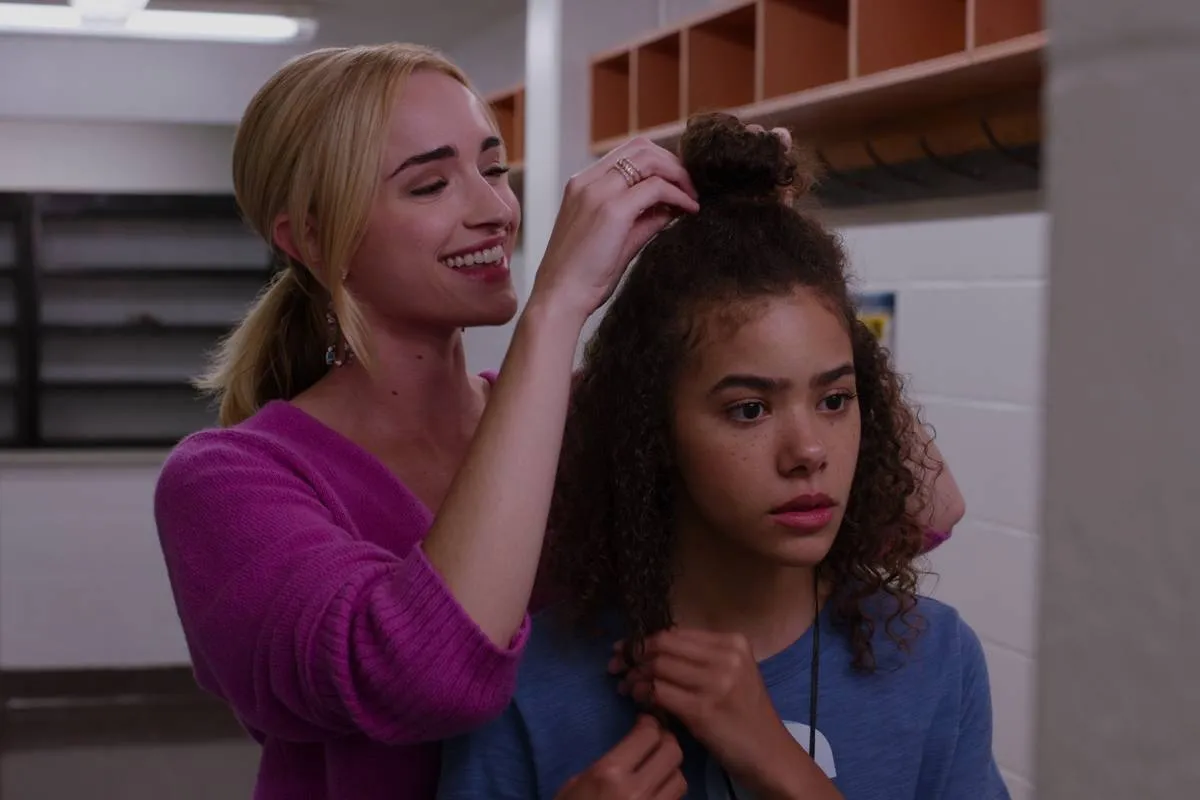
310 148
276 352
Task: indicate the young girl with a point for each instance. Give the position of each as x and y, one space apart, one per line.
733 538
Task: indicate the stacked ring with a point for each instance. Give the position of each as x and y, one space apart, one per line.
629 171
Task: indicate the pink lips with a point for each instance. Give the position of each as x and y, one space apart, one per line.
808 513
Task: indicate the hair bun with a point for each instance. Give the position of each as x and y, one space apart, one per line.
728 161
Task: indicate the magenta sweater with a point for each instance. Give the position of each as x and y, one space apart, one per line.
309 608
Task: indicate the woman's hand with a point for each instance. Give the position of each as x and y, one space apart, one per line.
645 764
604 221
712 684
787 194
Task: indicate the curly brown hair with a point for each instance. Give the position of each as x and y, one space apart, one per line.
612 516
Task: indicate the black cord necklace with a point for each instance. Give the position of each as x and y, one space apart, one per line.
814 666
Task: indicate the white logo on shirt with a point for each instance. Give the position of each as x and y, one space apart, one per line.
715 781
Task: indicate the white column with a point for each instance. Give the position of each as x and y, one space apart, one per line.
1119 698
561 38
543 128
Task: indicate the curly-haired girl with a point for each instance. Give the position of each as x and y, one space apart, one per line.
735 545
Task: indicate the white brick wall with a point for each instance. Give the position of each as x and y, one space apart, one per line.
969 279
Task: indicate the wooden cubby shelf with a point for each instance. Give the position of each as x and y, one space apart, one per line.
721 60
1000 20
891 35
658 71
830 70
613 96
805 44
509 110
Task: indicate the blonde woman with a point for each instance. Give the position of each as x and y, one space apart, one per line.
352 552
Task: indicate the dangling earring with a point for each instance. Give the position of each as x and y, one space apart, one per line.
338 352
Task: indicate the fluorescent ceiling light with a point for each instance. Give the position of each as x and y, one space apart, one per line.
131 19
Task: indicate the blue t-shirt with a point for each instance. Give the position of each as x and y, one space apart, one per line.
920 727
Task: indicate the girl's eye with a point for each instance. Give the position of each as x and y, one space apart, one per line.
838 402
749 411
497 171
432 188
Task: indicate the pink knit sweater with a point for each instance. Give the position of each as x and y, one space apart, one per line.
309 608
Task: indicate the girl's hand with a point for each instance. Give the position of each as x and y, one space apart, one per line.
645 764
605 219
712 684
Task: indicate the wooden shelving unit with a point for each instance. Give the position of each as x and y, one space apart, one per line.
659 74
805 44
720 69
851 77
610 88
890 35
509 110
1000 20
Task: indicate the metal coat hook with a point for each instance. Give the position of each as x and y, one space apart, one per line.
1007 152
890 169
947 164
828 169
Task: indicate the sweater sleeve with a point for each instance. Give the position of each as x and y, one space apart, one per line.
306 630
934 539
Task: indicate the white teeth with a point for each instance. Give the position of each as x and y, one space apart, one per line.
491 255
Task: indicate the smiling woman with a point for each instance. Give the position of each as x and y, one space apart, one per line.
353 551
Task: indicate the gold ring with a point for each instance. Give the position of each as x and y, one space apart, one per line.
629 171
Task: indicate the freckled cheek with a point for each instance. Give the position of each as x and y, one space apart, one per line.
844 457
718 464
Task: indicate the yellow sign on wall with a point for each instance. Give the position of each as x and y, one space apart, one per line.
877 310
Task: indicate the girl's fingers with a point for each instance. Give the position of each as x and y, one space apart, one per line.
657 768
665 695
674 789
682 672
695 646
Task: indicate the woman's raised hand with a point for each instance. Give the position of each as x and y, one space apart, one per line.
609 211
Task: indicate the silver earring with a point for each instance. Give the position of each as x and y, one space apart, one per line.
338 352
